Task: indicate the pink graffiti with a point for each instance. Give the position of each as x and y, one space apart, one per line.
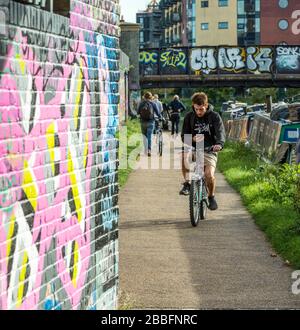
18 146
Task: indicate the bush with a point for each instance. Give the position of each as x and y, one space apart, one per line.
281 183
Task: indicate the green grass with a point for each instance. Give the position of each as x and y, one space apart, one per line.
270 196
133 127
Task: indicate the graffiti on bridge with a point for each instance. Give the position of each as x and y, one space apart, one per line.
221 60
170 61
288 59
149 61
173 61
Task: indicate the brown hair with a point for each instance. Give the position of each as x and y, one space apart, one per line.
200 99
148 96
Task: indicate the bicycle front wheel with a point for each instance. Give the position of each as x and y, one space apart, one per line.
195 202
198 206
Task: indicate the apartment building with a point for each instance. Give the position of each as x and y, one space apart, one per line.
216 22
150 20
174 22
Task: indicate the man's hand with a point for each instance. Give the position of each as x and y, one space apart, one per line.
198 138
217 148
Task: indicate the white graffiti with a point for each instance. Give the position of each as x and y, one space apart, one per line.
231 58
259 59
294 51
203 60
288 58
296 24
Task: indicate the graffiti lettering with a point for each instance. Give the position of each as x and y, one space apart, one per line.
296 24
259 59
288 59
173 58
223 60
148 57
203 60
232 59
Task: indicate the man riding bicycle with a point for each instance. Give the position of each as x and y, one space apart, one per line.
205 122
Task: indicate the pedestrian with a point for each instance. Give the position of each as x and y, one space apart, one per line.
147 110
158 103
176 107
160 108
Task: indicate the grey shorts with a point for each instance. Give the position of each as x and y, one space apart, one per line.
210 159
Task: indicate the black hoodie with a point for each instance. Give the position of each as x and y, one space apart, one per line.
210 125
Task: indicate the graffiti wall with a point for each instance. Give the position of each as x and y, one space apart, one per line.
58 189
221 60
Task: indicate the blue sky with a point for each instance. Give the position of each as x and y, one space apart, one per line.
130 7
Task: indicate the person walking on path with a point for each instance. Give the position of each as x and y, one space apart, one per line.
147 110
203 121
176 107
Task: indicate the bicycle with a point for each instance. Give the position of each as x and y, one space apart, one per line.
198 194
159 137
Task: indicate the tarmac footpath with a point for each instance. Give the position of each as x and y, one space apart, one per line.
224 263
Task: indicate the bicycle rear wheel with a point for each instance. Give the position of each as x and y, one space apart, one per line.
160 143
204 201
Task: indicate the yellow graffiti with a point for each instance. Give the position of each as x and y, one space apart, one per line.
174 59
86 149
50 134
148 58
22 276
21 63
10 235
29 187
74 187
76 260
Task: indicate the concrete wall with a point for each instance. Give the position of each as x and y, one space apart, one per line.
129 43
213 15
123 88
58 189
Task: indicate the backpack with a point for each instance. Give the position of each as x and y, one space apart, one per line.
146 111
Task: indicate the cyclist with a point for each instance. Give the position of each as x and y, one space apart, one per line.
203 120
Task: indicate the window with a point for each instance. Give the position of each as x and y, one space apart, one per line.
204 4
241 7
204 26
283 24
283 4
223 25
223 3
141 37
241 26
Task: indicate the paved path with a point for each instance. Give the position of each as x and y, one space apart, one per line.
166 264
